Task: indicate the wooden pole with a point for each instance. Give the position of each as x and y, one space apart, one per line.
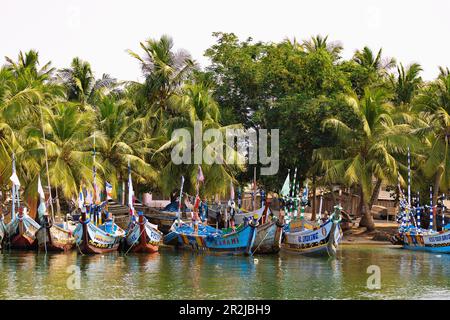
313 214
254 189
46 166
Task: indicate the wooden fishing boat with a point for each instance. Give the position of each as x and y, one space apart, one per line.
52 237
268 237
164 218
2 231
92 239
426 240
268 233
211 240
239 218
22 231
142 236
410 233
318 241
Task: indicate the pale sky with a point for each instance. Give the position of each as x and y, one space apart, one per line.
101 30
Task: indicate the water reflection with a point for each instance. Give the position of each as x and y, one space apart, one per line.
175 274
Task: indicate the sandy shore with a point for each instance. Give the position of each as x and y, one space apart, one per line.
359 236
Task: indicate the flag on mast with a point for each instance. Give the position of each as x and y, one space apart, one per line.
42 209
130 191
231 191
80 198
14 178
40 189
109 188
88 197
285 189
200 176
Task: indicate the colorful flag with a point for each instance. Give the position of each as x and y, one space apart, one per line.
200 176
80 198
88 198
109 188
197 203
305 194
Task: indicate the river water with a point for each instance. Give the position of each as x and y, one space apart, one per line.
174 274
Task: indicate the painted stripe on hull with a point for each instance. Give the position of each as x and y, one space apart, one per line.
316 250
218 251
428 249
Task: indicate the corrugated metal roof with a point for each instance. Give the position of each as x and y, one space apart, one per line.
385 195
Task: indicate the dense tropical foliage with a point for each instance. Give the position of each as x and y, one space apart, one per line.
342 122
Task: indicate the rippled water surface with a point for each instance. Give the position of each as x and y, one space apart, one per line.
184 275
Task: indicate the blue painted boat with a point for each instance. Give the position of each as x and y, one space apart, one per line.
212 240
302 237
426 240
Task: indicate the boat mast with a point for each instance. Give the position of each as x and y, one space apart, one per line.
418 209
409 186
179 201
130 191
254 189
46 167
13 190
94 196
431 209
292 202
320 206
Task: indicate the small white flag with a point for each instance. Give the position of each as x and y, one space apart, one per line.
40 189
15 179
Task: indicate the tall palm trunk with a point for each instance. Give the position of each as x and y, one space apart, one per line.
350 201
375 194
366 215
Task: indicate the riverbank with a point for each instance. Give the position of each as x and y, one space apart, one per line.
360 236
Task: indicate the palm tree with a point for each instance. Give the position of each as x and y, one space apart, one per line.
81 84
121 140
365 148
434 102
321 43
164 72
27 63
196 104
374 63
70 158
406 84
25 91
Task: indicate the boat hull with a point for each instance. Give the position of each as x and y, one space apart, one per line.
90 239
22 233
142 237
320 242
268 238
54 238
2 232
239 218
438 242
22 242
236 243
165 219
